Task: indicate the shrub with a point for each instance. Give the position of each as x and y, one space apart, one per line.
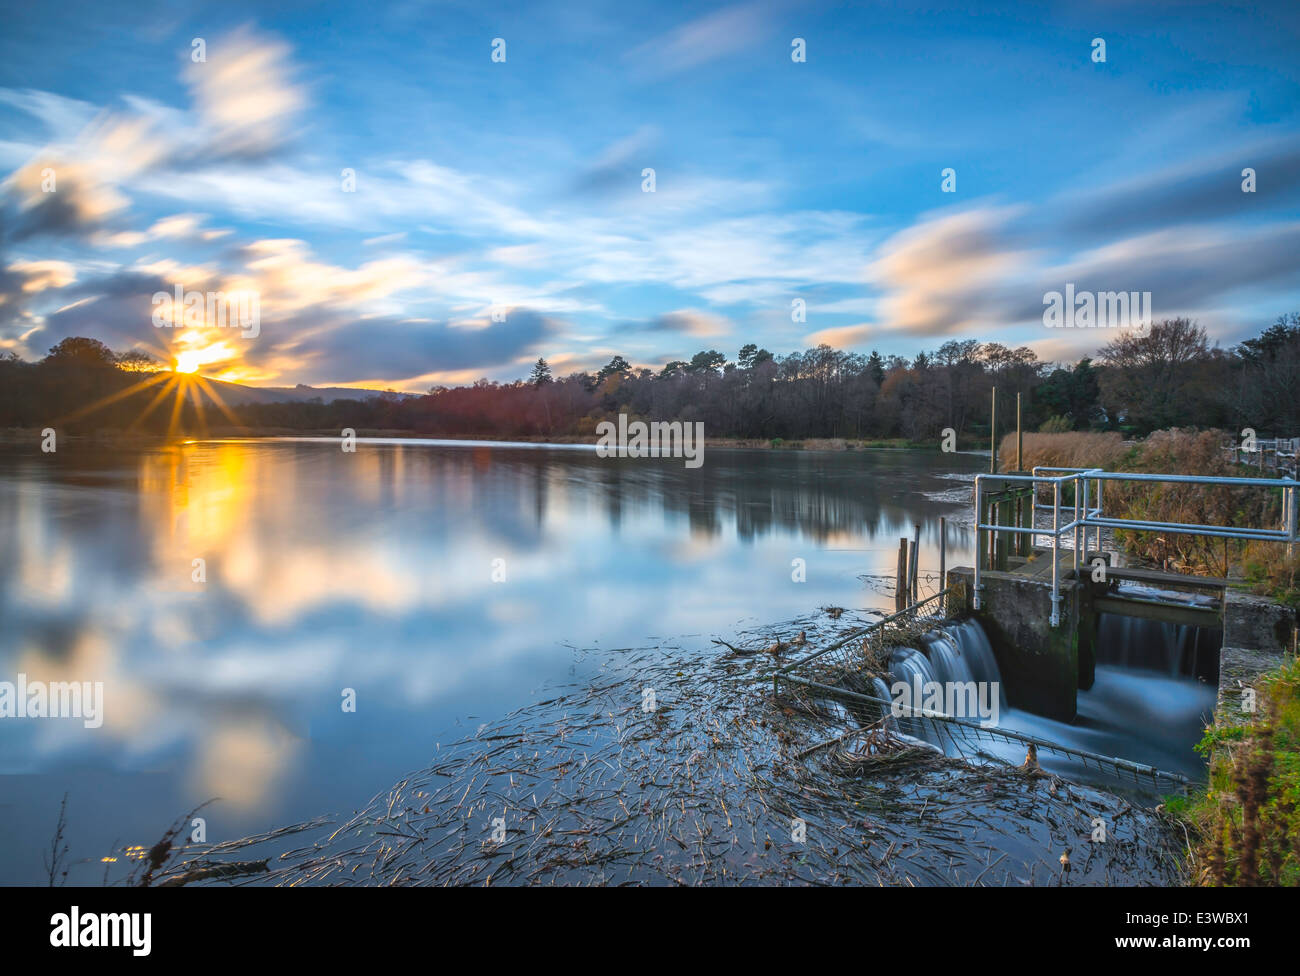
1177 451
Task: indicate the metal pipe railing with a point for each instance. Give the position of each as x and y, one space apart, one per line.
1087 516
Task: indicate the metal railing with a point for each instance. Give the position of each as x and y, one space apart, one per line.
929 612
1088 514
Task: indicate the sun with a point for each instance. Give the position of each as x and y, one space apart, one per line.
189 361
198 351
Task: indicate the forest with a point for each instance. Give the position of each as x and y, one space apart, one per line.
1165 376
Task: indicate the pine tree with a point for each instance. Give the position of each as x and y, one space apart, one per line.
541 372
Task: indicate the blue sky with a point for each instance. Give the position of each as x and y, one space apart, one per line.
499 215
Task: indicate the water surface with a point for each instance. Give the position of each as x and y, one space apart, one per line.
443 583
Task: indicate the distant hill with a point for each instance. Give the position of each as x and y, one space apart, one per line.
237 394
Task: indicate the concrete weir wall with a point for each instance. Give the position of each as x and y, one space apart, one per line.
1045 667
1257 633
1041 665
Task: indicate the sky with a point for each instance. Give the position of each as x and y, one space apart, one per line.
498 208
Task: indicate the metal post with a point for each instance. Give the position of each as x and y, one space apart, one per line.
1101 511
943 566
1291 520
1077 530
1084 532
916 559
1056 555
979 540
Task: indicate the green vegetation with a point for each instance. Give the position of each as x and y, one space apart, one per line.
1245 827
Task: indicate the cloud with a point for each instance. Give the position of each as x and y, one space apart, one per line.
618 167
403 350
40 275
20 283
1190 237
245 97
61 117
692 322
938 275
700 41
244 110
52 197
842 337
1196 191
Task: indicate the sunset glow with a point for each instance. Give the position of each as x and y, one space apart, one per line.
199 351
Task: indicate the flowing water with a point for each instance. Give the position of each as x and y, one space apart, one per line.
1154 693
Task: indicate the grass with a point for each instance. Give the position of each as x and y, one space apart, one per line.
1245 828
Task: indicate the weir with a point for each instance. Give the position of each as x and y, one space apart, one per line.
1110 669
938 681
1050 610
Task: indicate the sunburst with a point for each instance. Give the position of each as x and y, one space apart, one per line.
174 386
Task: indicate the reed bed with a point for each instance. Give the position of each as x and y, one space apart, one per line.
1264 565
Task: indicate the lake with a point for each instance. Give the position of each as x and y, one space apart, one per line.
437 584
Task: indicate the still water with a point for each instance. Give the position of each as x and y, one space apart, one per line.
444 584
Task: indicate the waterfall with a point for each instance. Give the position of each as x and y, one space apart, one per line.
1155 686
880 689
1175 650
953 654
962 652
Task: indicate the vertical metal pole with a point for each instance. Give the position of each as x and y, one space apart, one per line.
1101 513
979 541
1291 521
943 565
1077 530
1056 555
916 559
1084 532
911 576
993 434
995 537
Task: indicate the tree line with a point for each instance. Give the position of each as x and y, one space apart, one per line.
1168 375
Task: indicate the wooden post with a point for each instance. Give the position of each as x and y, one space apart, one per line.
900 582
993 434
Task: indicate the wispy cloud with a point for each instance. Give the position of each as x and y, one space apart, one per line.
702 40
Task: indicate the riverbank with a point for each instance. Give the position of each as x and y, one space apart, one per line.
111 437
